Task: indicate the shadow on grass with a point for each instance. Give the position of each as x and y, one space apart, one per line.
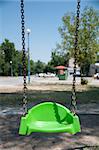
91 95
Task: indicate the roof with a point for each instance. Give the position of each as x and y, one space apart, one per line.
60 67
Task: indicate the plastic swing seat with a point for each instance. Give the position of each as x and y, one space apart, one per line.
49 117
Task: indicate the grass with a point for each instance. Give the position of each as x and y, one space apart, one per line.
84 95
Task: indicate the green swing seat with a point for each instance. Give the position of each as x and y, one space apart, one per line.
49 117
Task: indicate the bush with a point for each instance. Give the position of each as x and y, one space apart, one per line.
84 81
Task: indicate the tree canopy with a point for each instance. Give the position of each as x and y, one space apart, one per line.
88 45
11 58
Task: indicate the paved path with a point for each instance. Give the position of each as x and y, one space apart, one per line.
15 81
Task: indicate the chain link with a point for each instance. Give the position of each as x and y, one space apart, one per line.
73 101
24 57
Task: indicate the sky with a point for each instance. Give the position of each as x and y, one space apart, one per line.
42 17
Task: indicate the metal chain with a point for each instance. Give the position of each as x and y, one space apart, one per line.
24 57
73 101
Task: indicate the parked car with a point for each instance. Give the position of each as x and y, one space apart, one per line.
77 73
46 75
96 76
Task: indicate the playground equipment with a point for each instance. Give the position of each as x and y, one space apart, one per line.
49 116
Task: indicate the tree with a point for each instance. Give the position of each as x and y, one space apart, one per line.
49 68
87 40
88 44
17 63
6 69
57 59
9 50
39 67
32 67
8 55
1 61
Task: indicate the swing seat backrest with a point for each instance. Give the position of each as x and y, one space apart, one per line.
49 111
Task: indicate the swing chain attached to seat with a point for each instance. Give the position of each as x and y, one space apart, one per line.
73 101
23 58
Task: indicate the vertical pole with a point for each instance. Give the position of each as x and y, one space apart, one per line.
11 69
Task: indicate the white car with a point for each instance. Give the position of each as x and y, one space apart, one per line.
96 76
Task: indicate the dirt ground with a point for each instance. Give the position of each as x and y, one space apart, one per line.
88 139
41 87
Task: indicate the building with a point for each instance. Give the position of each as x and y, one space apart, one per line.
94 68
71 67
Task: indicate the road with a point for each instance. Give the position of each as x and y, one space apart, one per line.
18 81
